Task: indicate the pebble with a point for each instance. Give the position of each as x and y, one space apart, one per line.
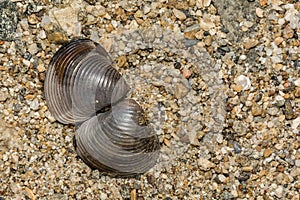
237 147
203 3
297 82
26 62
133 195
207 23
221 178
273 111
250 43
244 81
263 2
4 94
295 172
34 104
288 32
146 9
50 117
193 28
288 109
57 37
206 3
297 163
256 110
179 14
122 61
33 19
180 91
33 49
259 12
30 193
279 191
186 73
243 57
190 43
234 193
278 40
247 169
267 152
297 92
296 123
239 127
237 88
67 19
41 68
279 101
205 164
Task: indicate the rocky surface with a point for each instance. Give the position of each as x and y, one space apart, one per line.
220 82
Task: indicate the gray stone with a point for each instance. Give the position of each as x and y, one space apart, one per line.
8 20
180 91
194 27
232 13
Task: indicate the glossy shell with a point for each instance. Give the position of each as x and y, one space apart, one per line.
82 88
116 142
80 81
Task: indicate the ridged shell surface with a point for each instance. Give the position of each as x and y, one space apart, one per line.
80 83
117 142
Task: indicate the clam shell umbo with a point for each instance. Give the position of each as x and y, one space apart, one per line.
80 83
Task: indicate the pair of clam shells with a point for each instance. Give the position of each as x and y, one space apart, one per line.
83 88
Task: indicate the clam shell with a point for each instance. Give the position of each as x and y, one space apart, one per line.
80 81
117 142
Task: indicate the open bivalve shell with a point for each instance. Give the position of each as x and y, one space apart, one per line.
80 83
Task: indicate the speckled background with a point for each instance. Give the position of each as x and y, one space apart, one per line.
219 81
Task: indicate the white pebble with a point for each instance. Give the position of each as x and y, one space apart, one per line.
222 178
297 82
146 9
279 191
243 57
178 14
244 81
296 123
297 163
34 105
26 62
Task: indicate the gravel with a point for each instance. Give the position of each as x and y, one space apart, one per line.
219 81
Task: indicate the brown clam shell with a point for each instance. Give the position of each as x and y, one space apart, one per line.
79 83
